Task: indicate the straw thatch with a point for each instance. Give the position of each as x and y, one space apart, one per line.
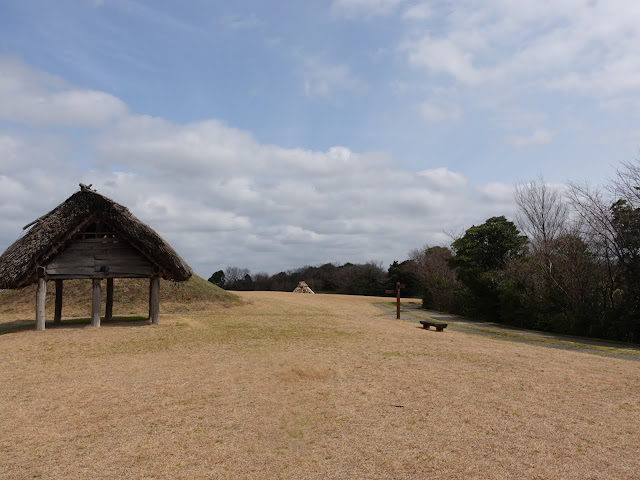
50 234
303 288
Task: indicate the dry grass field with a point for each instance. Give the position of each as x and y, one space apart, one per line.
298 386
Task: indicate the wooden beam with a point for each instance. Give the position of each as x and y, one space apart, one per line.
108 314
114 271
96 301
57 317
101 275
154 300
41 295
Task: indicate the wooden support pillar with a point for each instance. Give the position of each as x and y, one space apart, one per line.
108 313
154 300
96 302
41 295
57 317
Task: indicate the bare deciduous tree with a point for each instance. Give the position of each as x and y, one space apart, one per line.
233 275
608 236
543 212
594 211
626 183
437 278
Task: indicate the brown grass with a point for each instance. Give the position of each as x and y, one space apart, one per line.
309 386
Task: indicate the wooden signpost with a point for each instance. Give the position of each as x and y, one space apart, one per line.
397 292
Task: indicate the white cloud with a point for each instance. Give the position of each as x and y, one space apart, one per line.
323 79
618 77
33 97
141 142
434 113
419 11
577 45
364 8
444 56
500 194
537 138
444 178
149 144
31 177
9 152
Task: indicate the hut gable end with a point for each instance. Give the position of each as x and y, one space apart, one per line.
99 252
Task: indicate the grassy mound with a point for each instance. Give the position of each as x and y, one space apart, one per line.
130 297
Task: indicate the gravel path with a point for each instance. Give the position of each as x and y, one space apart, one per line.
414 313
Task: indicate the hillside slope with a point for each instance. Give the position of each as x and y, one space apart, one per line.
130 297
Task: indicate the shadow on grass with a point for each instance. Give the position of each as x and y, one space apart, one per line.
118 321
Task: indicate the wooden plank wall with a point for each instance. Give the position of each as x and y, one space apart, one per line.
99 258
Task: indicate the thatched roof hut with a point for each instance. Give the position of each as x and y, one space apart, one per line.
303 288
89 236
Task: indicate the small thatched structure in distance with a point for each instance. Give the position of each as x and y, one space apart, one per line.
89 236
303 288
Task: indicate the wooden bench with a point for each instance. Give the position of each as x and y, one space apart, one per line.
438 326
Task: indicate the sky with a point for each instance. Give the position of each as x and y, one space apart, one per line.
272 134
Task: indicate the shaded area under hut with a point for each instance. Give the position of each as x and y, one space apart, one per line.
89 236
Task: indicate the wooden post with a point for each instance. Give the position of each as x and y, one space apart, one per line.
57 317
108 314
41 295
398 300
96 302
154 300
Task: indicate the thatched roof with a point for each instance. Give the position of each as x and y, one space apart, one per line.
303 288
50 233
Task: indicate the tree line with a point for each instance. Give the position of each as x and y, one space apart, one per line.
351 279
568 263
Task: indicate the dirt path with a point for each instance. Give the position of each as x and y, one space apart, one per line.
412 312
